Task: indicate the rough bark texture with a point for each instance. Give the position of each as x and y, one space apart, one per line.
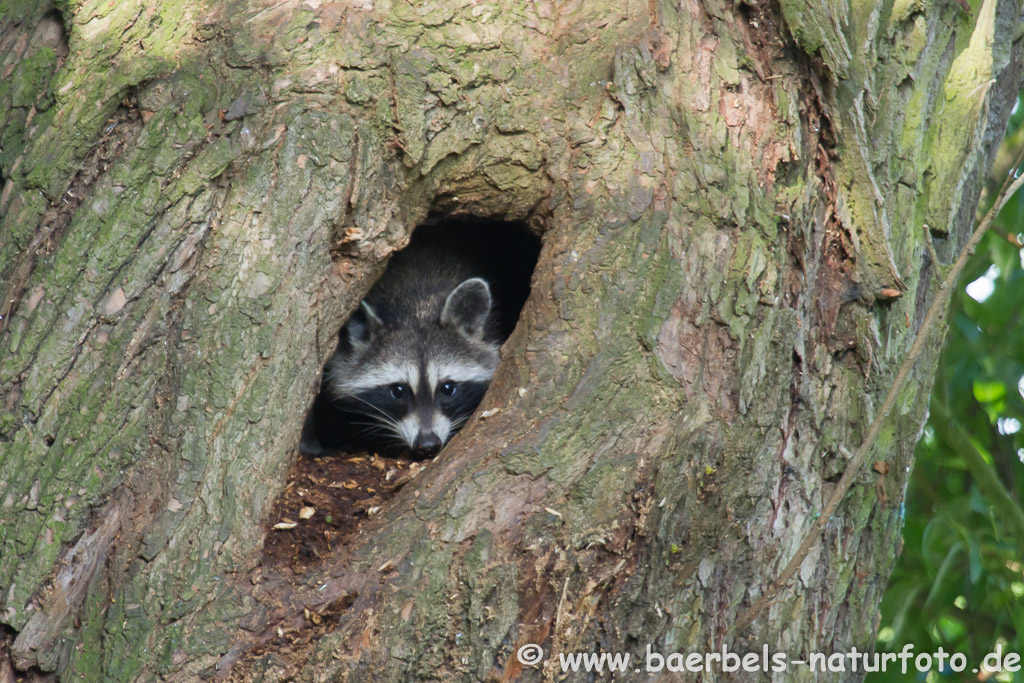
195 195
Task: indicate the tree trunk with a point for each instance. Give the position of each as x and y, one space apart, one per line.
735 202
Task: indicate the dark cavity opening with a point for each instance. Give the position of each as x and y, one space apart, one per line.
417 355
343 482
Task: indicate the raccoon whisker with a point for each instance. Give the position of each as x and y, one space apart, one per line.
373 417
372 425
387 438
377 426
377 416
373 429
387 418
376 410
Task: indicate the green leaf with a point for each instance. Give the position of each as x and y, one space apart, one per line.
989 392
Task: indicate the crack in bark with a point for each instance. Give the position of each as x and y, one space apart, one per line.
65 591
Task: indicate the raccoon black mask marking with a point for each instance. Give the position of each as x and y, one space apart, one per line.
415 382
414 360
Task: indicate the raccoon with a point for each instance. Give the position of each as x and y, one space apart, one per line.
414 360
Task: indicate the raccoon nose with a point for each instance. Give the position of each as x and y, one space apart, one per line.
427 444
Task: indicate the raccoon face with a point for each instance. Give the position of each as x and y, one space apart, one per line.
412 383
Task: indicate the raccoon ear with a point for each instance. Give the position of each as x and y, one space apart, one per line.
468 307
363 326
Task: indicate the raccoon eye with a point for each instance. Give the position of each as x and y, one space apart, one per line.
448 388
398 391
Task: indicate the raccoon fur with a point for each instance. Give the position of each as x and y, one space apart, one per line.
414 360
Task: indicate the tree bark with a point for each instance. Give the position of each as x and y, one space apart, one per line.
735 201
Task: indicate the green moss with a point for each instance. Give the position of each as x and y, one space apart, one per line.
963 96
17 11
805 23
362 89
12 139
31 76
208 164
